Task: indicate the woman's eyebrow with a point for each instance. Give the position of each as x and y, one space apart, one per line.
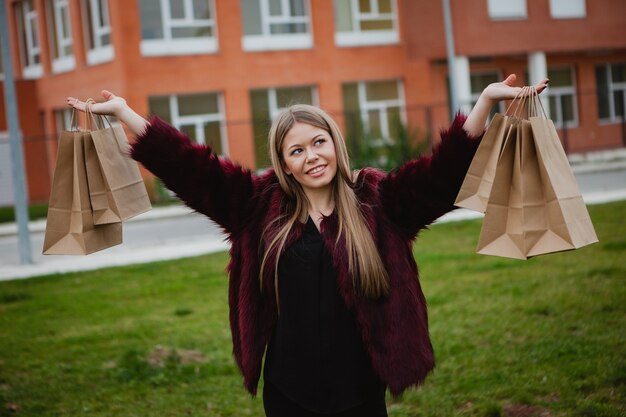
319 135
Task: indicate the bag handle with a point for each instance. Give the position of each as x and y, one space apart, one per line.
527 99
96 118
538 100
74 121
520 102
532 106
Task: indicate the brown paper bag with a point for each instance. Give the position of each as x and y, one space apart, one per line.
116 188
69 228
564 205
502 233
478 182
540 224
541 209
476 187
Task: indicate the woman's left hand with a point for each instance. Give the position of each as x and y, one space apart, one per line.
505 90
491 95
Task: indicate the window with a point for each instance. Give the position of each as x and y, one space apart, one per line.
611 85
275 24
60 29
567 9
200 116
562 97
478 82
266 104
365 22
63 119
7 196
373 110
176 27
507 9
97 31
26 17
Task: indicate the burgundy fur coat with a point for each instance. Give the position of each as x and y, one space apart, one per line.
396 207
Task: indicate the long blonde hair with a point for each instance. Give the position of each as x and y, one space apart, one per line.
364 263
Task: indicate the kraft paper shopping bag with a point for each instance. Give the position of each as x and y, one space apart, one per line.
70 229
476 187
565 207
502 232
478 182
535 206
116 188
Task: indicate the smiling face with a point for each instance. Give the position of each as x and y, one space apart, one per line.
308 154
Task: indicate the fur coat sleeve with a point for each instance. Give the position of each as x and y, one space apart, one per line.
213 186
422 190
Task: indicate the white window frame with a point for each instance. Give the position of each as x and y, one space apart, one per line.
557 92
272 98
64 62
28 24
507 9
358 37
568 9
181 46
381 105
99 53
200 119
63 119
7 197
267 41
612 87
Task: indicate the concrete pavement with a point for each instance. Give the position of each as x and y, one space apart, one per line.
213 241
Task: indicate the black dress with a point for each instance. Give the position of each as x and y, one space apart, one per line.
316 363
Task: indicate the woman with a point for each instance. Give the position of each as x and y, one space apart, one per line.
323 282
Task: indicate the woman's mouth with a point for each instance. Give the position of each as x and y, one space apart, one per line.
316 171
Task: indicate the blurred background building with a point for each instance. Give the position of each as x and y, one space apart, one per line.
220 70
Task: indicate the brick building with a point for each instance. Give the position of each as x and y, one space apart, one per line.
221 69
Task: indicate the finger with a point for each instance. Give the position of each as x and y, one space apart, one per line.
510 80
76 103
542 85
107 94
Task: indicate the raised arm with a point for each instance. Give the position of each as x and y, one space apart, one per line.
208 184
422 190
113 106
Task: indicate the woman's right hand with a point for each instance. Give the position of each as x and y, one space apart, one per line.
113 106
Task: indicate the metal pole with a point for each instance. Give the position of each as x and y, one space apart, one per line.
447 20
17 159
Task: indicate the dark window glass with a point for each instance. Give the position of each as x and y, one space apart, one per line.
602 86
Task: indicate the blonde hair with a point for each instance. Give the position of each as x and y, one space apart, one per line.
364 263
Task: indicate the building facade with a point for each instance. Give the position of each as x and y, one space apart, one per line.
220 70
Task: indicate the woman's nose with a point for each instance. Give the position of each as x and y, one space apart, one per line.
311 155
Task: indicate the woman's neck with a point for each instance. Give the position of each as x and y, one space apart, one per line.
321 202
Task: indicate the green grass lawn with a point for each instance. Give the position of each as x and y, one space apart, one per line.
544 337
35 212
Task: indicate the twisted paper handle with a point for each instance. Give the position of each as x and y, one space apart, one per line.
526 103
96 118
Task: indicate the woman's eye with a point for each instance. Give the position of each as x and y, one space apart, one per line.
320 141
296 151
